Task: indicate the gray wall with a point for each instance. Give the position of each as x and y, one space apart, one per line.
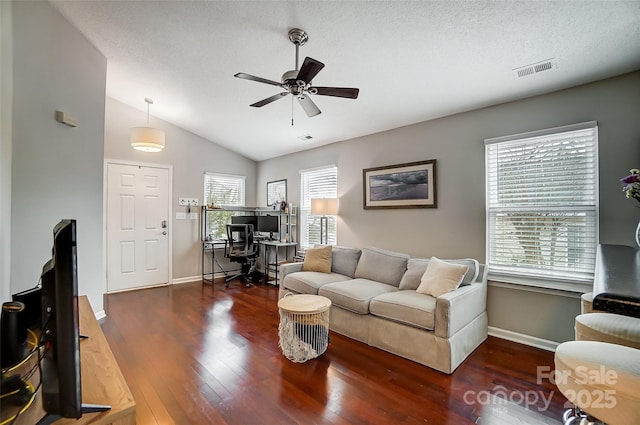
6 105
457 227
190 156
56 169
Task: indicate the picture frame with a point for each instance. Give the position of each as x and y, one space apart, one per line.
408 185
276 191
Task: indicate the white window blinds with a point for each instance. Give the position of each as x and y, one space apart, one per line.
316 183
222 190
542 204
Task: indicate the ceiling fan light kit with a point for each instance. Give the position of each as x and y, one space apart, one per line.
297 82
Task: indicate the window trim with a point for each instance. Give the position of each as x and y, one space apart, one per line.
549 283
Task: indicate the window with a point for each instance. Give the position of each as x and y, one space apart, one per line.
542 212
316 183
222 190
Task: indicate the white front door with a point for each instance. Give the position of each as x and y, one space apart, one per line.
137 226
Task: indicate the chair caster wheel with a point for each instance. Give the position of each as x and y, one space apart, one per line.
566 415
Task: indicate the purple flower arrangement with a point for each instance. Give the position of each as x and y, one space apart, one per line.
631 184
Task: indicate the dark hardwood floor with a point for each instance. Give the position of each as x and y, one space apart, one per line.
196 355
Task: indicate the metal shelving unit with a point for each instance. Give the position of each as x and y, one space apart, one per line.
288 225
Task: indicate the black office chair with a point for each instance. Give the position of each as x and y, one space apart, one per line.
240 248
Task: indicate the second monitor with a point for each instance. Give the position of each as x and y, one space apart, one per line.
268 224
261 223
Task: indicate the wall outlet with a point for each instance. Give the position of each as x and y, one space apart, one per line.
188 202
193 216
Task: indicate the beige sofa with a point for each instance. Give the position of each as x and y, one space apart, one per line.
374 300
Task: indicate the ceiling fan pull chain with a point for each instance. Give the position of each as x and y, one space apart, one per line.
292 109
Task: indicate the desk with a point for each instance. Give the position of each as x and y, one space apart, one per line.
211 246
275 265
102 381
616 284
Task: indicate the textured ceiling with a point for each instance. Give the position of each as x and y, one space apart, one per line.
413 61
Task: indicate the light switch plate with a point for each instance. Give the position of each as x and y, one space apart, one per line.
181 216
193 216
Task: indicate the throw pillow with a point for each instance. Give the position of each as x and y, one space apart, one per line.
441 277
317 260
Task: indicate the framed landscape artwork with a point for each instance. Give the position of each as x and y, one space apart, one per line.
276 191
410 185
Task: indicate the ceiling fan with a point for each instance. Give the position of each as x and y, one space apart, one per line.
298 82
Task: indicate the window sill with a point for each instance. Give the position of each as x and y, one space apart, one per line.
551 287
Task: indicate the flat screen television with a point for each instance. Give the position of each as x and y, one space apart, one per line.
60 334
268 224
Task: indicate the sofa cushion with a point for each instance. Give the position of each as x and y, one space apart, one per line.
417 266
317 260
310 282
345 260
354 295
415 269
407 307
441 277
382 266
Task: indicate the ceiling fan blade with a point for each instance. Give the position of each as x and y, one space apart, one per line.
309 69
257 79
270 99
348 92
309 107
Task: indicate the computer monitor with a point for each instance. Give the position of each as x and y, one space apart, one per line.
268 224
245 219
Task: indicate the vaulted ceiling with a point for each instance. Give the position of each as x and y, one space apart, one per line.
412 60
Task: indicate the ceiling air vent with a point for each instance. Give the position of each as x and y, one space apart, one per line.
535 68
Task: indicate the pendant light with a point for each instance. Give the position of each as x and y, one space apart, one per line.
147 139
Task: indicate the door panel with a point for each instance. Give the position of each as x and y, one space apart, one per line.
137 244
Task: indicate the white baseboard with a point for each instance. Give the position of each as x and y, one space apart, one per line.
187 279
532 341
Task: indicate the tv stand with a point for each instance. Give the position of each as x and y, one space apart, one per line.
102 382
86 408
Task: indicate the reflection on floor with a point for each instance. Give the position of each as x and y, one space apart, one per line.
194 354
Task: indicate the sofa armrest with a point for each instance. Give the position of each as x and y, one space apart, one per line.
287 268
456 309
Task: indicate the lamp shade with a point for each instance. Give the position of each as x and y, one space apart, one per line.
147 139
324 206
